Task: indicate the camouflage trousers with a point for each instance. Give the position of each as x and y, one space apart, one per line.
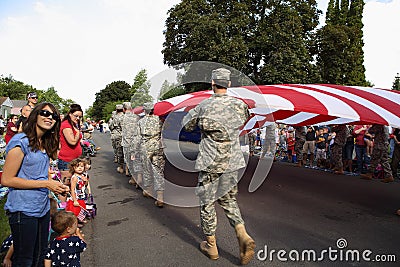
298 148
252 141
221 187
134 166
381 156
118 151
268 146
337 157
153 169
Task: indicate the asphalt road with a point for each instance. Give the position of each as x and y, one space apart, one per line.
299 211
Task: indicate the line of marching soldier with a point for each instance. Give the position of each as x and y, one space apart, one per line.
137 147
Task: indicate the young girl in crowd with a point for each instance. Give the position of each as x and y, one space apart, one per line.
78 187
26 174
368 139
60 251
85 176
290 142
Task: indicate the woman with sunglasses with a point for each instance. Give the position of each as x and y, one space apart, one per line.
26 173
70 137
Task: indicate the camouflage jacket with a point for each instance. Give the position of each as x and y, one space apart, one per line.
342 132
300 133
150 131
381 136
116 126
130 131
270 132
219 119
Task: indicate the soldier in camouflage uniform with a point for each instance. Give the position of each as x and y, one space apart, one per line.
220 157
112 143
154 159
339 134
130 144
300 137
252 140
380 153
116 136
269 146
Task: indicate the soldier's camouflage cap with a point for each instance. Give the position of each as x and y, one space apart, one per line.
148 106
119 106
127 105
221 74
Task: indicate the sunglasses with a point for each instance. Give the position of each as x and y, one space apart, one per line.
46 113
33 97
76 116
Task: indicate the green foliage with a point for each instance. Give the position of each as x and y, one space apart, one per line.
169 90
269 41
340 43
396 83
14 89
51 95
118 91
140 89
4 226
108 109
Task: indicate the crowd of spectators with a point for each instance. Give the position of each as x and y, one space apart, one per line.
355 149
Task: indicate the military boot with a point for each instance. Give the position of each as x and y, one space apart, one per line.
160 199
299 162
209 247
366 176
304 159
132 181
388 179
246 244
339 171
311 160
139 180
146 192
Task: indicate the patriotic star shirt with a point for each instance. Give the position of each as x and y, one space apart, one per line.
65 251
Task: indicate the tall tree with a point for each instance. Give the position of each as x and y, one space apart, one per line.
14 89
355 55
140 89
396 83
118 91
340 44
269 41
51 95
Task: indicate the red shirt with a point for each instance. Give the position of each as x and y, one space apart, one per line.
360 136
69 152
10 133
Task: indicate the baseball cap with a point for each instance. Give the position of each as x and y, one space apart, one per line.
31 95
127 105
148 106
221 74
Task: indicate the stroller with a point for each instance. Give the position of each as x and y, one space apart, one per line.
88 149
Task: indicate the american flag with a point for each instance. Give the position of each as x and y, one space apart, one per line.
302 104
82 214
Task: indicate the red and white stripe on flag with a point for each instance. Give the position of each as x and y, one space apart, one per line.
298 104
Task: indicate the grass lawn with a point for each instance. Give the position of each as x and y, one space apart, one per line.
4 227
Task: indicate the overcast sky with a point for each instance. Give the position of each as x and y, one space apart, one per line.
81 46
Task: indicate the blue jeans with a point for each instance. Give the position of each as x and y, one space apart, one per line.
62 165
391 147
361 152
30 237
